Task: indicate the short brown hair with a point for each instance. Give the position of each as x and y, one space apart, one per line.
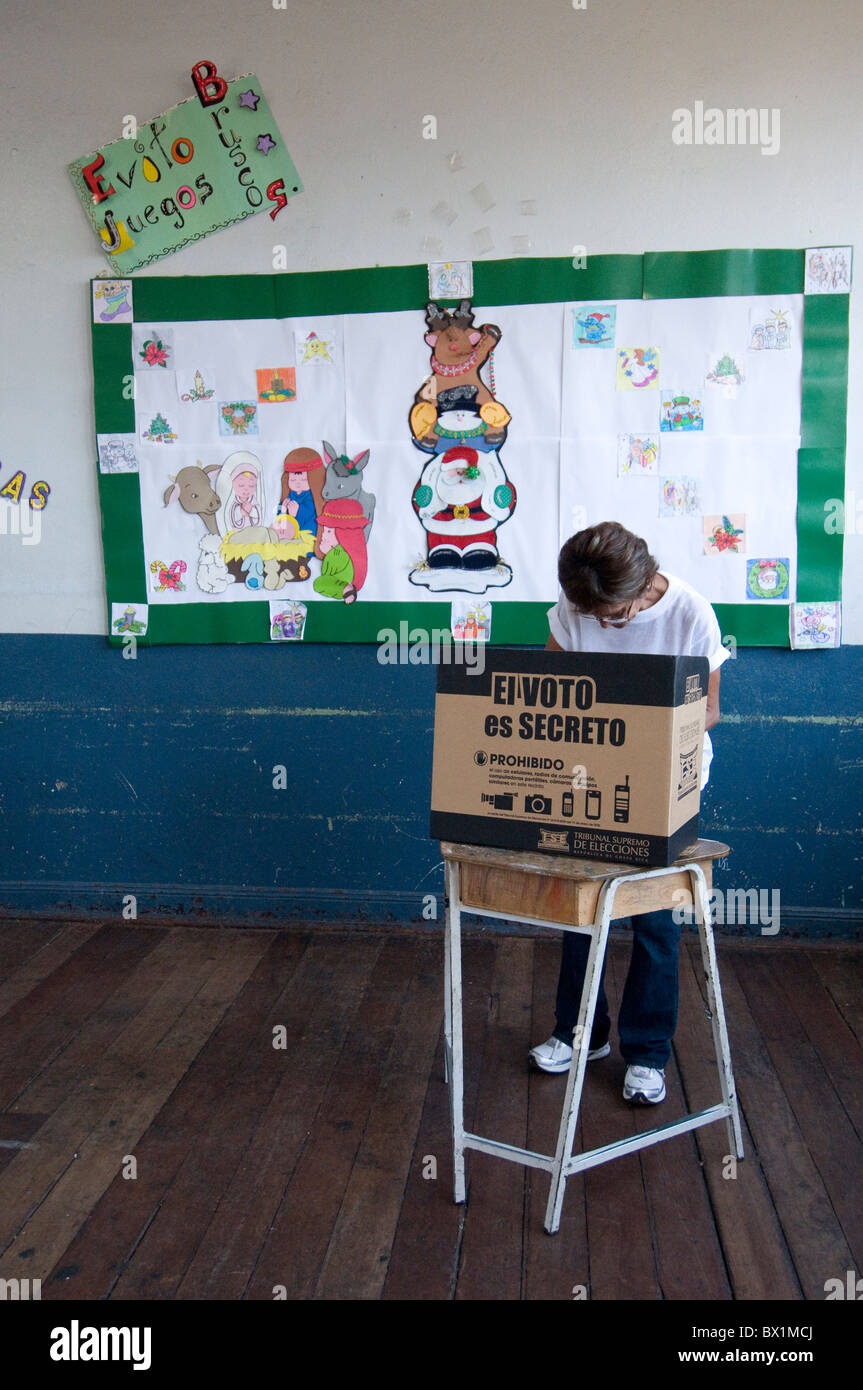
604 565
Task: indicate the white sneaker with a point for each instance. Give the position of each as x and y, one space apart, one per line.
644 1085
555 1056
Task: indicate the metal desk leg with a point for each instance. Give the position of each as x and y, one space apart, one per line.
580 1049
714 1000
453 1024
447 996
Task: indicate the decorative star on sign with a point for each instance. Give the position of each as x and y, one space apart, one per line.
250 99
266 143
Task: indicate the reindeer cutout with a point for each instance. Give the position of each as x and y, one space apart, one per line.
454 403
463 493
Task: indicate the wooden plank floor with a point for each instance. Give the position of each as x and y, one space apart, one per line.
230 1114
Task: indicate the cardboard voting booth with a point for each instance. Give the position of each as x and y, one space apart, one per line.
584 754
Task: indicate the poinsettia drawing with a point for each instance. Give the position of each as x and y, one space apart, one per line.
726 536
154 353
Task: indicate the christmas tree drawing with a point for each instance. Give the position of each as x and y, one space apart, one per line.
160 431
726 372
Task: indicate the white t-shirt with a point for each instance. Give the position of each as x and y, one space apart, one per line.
680 623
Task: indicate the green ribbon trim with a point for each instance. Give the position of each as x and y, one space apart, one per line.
821 458
177 299
119 493
820 482
759 623
705 274
754 624
111 346
515 624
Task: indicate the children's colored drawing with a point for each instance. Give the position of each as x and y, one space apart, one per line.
679 497
200 387
158 431
767 579
152 347
168 577
450 279
725 534
828 270
637 455
287 621
637 368
725 369
344 480
276 384
815 626
302 493
205 164
341 545
117 453
112 301
470 620
771 330
680 411
129 618
594 327
463 494
238 417
314 349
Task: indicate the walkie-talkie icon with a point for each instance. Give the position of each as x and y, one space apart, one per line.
621 802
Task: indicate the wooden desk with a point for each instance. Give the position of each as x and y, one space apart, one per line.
581 895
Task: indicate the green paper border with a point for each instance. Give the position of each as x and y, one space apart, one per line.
708 274
656 275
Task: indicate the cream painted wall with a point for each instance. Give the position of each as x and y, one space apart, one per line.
570 108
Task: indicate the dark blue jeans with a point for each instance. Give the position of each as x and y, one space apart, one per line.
648 1009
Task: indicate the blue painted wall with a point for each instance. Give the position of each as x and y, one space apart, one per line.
155 777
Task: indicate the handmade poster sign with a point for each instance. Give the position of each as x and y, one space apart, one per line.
214 159
325 457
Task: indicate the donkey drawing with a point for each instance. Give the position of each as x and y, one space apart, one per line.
344 479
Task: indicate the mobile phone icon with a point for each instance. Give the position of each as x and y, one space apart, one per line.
592 804
621 802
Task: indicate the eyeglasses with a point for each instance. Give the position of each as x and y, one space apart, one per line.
608 622
629 613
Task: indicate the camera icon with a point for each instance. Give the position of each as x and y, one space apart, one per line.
538 805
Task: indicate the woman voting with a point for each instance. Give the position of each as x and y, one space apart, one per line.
615 599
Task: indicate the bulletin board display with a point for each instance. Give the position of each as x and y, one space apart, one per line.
324 456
